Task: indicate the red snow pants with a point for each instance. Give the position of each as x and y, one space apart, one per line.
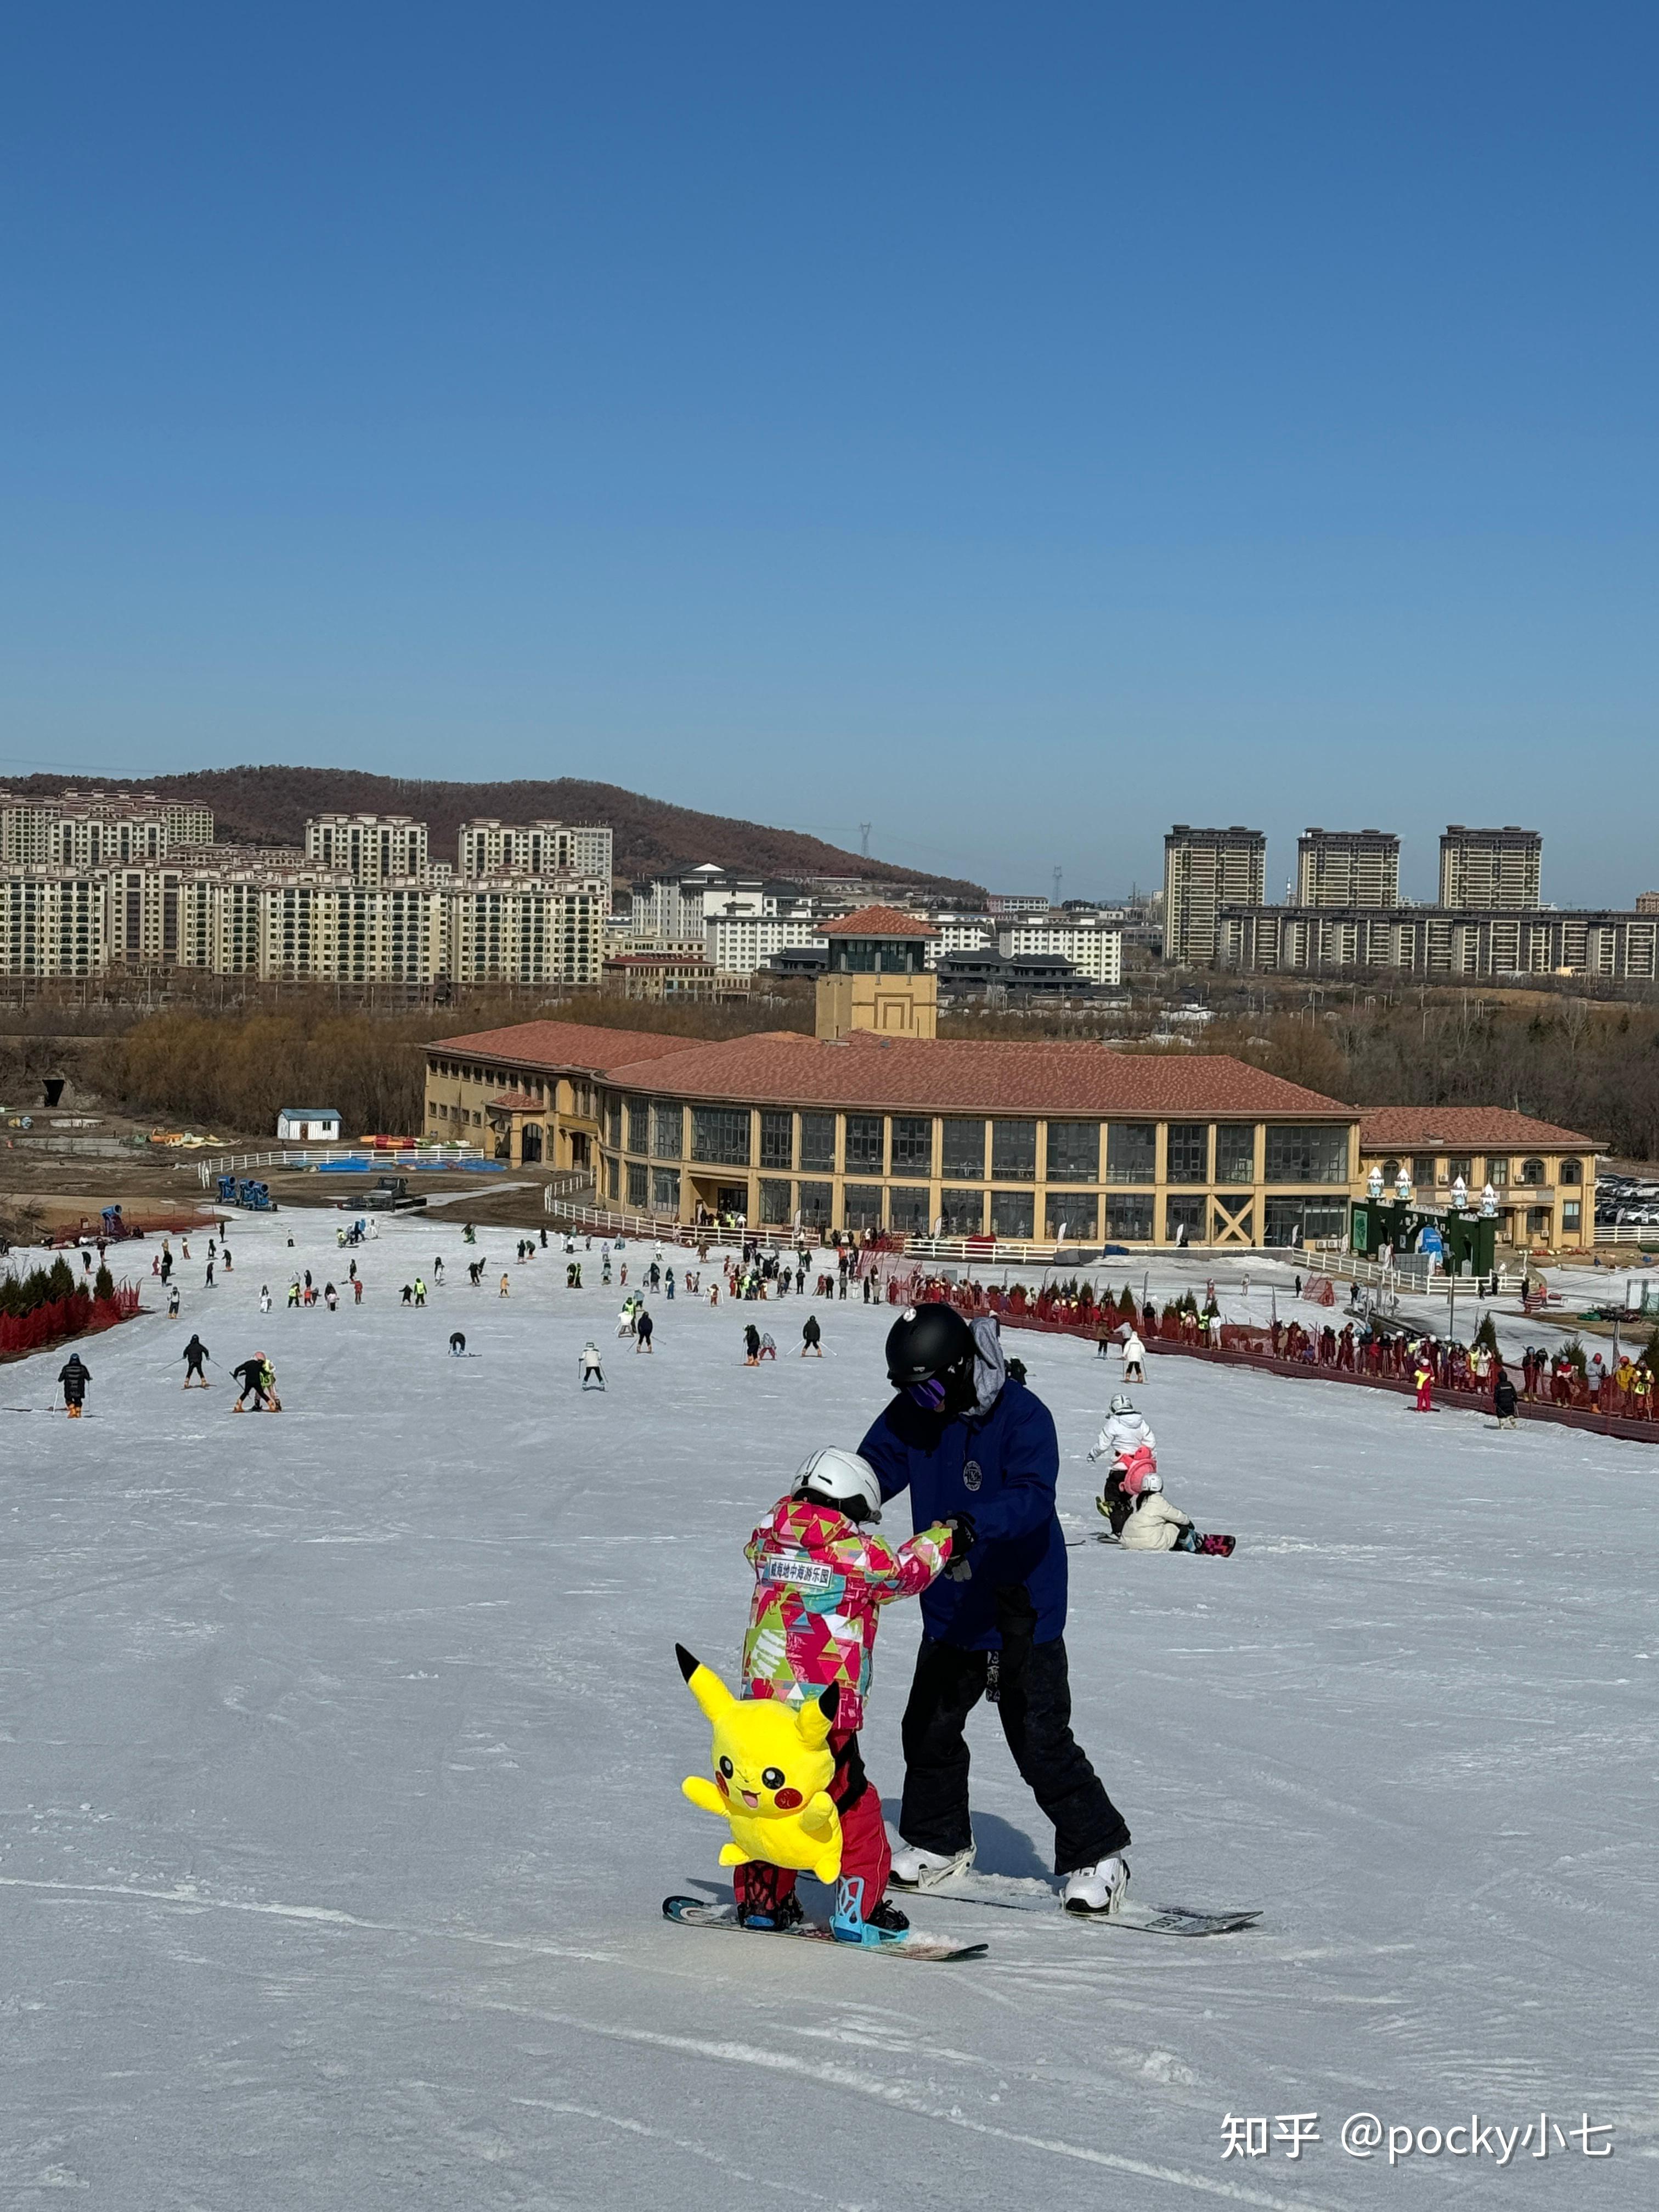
866 1854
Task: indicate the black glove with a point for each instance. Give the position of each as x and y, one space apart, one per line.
961 1526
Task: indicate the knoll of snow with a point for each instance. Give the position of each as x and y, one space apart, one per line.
341 1754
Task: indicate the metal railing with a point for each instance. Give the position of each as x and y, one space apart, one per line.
288 1156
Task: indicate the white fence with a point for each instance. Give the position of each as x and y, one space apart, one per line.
289 1155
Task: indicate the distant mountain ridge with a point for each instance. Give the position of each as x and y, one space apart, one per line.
268 806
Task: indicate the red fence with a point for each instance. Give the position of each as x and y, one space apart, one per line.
78 1315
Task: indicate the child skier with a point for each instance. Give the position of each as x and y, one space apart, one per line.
1126 1441
194 1353
593 1373
819 1580
1142 1519
75 1375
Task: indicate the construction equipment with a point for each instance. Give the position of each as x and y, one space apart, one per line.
244 1191
392 1195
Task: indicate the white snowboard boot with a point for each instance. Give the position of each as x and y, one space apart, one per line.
1096 1889
915 1869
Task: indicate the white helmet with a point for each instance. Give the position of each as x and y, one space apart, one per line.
1150 1481
841 1477
1120 1404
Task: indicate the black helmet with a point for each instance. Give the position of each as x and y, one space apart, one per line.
928 1344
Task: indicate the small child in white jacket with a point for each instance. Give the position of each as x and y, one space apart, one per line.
1142 1519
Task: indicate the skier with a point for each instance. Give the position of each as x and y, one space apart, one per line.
1135 1357
457 1345
268 1383
642 1328
593 1373
252 1376
813 1540
768 1349
1144 1520
356 1290
966 1438
330 1297
208 1284
172 1302
1126 1441
420 1290
194 1353
1423 1376
752 1346
1503 1401
265 1297
811 1338
75 1375
506 1286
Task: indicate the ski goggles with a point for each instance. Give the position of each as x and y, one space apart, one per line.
929 1395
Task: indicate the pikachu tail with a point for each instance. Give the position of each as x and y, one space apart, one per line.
705 1685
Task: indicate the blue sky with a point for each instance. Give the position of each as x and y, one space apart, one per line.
1019 427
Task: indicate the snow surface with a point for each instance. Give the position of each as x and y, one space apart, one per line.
340 1755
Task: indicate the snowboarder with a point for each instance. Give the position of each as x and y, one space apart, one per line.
812 1539
592 1374
811 1338
194 1353
1142 1519
457 1345
643 1326
75 1375
966 1438
252 1376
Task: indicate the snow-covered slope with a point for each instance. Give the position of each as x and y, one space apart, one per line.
340 1755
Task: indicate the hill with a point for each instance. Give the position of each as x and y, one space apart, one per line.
268 806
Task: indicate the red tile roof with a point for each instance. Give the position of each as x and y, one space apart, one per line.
1402 1128
786 1069
876 922
515 1101
581 1045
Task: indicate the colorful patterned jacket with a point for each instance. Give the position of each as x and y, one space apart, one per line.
819 1580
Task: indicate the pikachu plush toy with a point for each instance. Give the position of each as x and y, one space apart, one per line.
771 1761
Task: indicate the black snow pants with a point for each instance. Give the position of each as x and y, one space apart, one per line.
1032 1689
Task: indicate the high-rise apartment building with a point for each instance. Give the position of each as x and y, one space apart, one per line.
1347 867
1205 870
1493 871
372 848
490 848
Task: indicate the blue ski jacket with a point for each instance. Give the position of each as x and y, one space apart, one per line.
1001 1467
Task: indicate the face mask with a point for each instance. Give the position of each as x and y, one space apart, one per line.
929 1395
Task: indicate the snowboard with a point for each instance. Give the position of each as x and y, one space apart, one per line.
695 1912
1012 1893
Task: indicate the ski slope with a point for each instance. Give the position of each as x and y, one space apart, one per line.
340 1755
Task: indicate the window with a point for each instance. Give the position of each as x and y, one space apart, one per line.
637 1183
1183 1221
907 1209
612 1179
1302 1220
1235 1151
817 1145
1539 1219
665 1191
1187 1152
1390 1172
1572 1213
912 1144
1460 1167
1422 1173
777 1141
1012 1211
816 1200
1303 1152
963 1153
1013 1154
639 1137
1498 1173
1131 1154
862 1208
613 1122
964 1212
1532 1174
1074 1151
719 1134
1071 1214
1570 1171
864 1145
667 1131
1128 1220
773 1203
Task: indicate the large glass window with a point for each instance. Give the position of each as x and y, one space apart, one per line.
612 1178
777 1141
1074 1151
1128 1219
1455 1167
907 1209
1498 1173
1422 1171
1072 1214
1235 1151
1570 1171
865 1147
1224 1222
719 1134
1132 1152
665 1190
639 1121
1532 1174
1306 1153
816 1201
1301 1220
667 1131
636 1172
774 1202
963 1151
1183 1220
1012 1212
817 1145
1187 1152
1013 1153
963 1211
912 1144
862 1208
613 1122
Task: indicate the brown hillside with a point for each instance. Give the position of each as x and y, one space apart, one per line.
268 806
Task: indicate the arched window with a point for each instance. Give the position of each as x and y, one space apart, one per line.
1390 1170
1532 1173
1572 1171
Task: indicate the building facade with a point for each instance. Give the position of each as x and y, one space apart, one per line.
1439 942
372 849
1500 870
1542 1177
1095 952
1205 870
1346 868
488 847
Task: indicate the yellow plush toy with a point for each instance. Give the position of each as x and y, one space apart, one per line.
771 1762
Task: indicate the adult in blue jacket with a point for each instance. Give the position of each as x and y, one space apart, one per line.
969 1441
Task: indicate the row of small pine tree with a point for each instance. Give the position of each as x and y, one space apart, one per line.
22 1294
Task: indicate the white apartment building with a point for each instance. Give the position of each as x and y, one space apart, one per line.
957 932
372 849
52 922
516 929
1095 952
488 847
738 944
82 830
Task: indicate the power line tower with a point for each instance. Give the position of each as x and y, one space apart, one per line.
1053 899
863 839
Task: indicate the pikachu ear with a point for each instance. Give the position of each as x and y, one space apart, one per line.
710 1693
815 1721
